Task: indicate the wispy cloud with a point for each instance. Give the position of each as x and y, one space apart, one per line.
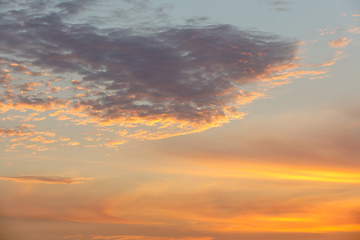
45 179
279 2
282 9
139 237
339 43
330 31
280 5
354 30
132 237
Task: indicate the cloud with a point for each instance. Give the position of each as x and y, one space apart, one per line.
41 139
63 139
113 143
30 86
326 31
73 7
279 2
165 81
17 131
180 75
339 43
279 5
319 152
24 102
282 9
139 237
45 179
25 136
329 31
23 69
354 30
230 205
5 77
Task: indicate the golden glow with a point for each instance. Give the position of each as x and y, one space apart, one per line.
118 122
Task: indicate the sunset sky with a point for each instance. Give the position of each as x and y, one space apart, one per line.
179 120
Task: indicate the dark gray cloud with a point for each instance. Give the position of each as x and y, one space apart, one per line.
183 74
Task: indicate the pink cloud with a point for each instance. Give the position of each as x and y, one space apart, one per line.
339 43
354 30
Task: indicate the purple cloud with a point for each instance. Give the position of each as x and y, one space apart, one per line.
184 75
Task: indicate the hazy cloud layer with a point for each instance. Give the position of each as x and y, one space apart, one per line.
138 237
132 237
175 79
187 202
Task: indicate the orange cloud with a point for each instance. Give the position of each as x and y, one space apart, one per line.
62 139
63 118
50 134
23 69
38 148
30 86
337 56
5 76
114 143
49 103
22 134
326 31
225 208
37 139
18 131
339 43
222 203
298 74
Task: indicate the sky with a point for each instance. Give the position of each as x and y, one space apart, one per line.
179 120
